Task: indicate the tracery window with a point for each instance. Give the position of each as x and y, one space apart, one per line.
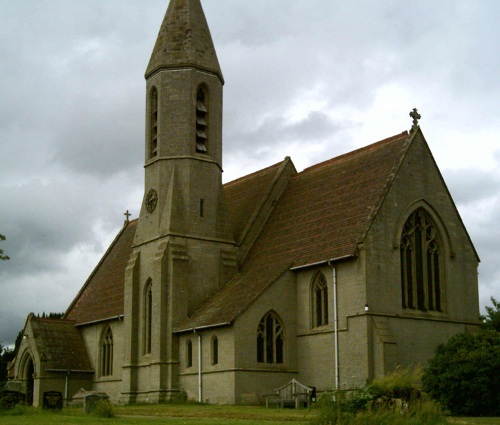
189 354
201 120
215 350
153 123
319 301
420 263
270 340
106 366
148 316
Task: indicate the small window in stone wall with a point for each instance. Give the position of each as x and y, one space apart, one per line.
189 354
215 350
270 340
148 317
319 301
106 360
420 255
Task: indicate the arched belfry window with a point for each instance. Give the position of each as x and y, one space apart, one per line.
319 301
202 119
148 316
270 340
153 123
420 253
106 365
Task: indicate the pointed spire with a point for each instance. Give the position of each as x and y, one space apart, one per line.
184 40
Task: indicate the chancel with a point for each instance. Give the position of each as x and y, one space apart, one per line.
330 276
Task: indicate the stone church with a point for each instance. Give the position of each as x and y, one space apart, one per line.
333 275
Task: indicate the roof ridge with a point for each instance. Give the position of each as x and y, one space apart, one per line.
52 319
356 152
256 173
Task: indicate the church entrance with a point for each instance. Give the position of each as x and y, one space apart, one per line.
28 378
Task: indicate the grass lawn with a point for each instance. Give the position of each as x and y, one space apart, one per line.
188 415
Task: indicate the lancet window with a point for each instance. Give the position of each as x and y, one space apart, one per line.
189 354
319 301
106 366
215 350
420 253
148 316
270 340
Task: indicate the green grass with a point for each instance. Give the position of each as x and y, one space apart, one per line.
186 415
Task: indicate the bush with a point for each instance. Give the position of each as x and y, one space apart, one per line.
403 383
392 399
463 374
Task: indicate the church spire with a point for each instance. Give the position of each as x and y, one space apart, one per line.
184 40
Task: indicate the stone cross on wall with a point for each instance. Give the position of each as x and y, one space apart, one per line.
416 116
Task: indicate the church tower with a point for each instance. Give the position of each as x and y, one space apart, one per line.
184 248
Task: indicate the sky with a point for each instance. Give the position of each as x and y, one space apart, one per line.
309 79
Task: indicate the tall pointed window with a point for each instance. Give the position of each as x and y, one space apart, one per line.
153 123
270 340
201 120
148 316
215 350
420 264
106 365
189 354
319 301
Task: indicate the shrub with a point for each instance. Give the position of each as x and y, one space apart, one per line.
463 374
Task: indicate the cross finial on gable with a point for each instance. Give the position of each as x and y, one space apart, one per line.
127 215
416 116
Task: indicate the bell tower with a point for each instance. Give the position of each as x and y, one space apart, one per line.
184 248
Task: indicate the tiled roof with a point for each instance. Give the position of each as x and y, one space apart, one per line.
60 345
102 296
323 214
244 196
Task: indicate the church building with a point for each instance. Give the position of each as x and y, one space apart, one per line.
333 275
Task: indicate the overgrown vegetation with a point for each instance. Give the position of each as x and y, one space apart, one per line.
2 255
393 399
492 319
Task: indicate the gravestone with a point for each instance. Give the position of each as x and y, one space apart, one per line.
12 398
91 400
52 400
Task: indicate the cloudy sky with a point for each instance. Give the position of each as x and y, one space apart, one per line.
306 78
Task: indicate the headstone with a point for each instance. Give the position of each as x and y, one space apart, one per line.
91 400
12 398
52 400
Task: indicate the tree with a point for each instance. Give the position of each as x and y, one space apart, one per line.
463 374
492 319
2 255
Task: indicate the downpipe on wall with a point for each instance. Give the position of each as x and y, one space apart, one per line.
335 325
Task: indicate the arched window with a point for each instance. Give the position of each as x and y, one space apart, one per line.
153 123
201 120
148 316
106 368
270 340
215 350
319 301
420 263
189 354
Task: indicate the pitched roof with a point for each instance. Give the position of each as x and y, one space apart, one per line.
60 345
102 296
244 196
323 214
184 40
